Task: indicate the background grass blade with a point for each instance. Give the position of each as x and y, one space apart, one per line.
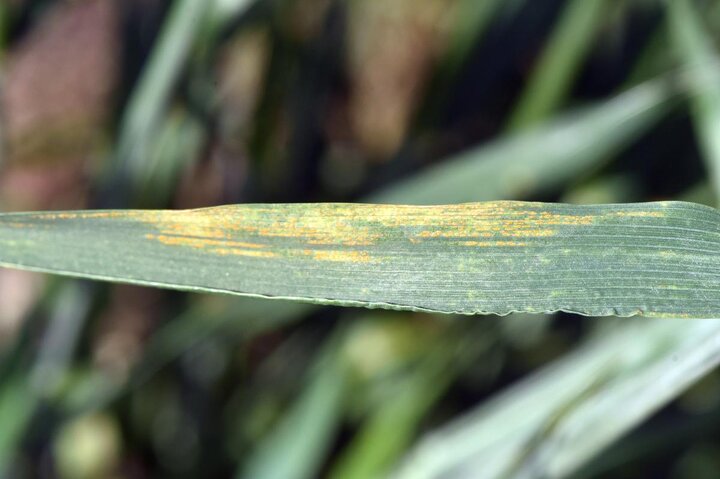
694 47
561 59
226 9
541 425
655 259
143 115
60 339
642 388
315 416
540 159
389 428
16 407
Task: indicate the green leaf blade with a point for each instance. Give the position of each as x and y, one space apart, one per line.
654 259
695 48
538 159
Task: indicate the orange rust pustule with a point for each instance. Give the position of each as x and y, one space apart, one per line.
197 242
639 214
263 222
340 256
217 247
494 243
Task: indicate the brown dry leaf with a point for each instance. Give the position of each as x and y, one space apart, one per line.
241 80
392 47
60 81
44 187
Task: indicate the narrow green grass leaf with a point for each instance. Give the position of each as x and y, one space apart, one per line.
142 117
540 159
553 422
227 9
17 404
653 59
655 259
60 340
695 48
390 428
296 447
176 146
561 59
4 27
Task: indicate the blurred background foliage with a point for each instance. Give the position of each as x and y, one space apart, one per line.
191 103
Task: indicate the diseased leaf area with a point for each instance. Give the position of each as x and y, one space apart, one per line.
653 259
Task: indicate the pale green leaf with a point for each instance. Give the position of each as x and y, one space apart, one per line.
540 159
553 422
142 117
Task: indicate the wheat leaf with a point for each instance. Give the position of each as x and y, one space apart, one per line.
654 259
